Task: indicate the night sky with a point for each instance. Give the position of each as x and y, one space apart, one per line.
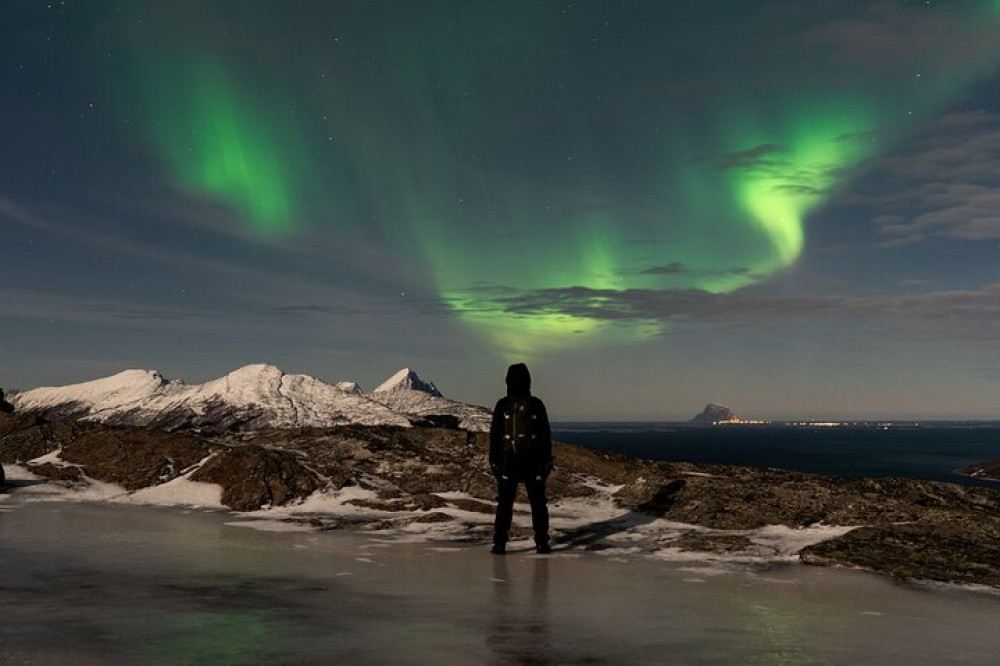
789 207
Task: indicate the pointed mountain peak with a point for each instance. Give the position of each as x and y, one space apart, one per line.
407 379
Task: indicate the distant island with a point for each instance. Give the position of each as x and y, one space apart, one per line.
715 413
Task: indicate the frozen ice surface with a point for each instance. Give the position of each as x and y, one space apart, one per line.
115 584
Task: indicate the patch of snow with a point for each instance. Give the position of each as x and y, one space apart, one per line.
181 491
266 525
965 587
88 490
325 503
596 484
457 495
786 542
51 457
20 473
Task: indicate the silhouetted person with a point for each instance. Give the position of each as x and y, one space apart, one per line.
520 452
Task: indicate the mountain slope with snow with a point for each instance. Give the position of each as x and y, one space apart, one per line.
252 397
406 393
407 380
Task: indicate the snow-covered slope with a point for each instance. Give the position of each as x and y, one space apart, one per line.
252 397
108 393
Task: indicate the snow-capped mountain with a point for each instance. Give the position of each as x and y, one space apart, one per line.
252 397
406 393
407 379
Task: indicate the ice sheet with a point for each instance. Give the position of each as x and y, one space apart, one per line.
114 584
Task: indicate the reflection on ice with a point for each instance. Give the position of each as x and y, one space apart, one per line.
519 627
97 584
230 637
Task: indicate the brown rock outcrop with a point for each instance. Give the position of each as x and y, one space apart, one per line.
955 551
135 457
70 473
27 436
253 476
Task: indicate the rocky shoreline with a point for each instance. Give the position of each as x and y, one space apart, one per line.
401 478
989 470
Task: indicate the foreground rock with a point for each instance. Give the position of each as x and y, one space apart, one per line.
983 470
252 476
402 478
945 547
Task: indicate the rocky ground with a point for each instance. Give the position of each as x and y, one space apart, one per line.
905 528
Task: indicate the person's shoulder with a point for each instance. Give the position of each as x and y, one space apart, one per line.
501 403
537 402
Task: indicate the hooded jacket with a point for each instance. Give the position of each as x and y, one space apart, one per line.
503 460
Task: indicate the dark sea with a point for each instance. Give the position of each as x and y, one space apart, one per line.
931 452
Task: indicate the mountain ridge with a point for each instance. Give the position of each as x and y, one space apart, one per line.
251 397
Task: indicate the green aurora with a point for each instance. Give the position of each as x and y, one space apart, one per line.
221 139
473 153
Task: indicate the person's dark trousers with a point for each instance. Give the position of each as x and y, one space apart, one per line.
507 491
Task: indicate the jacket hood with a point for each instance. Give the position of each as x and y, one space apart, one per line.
518 380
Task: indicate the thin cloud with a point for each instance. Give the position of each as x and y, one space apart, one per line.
946 185
969 314
678 269
304 309
764 156
28 304
886 35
